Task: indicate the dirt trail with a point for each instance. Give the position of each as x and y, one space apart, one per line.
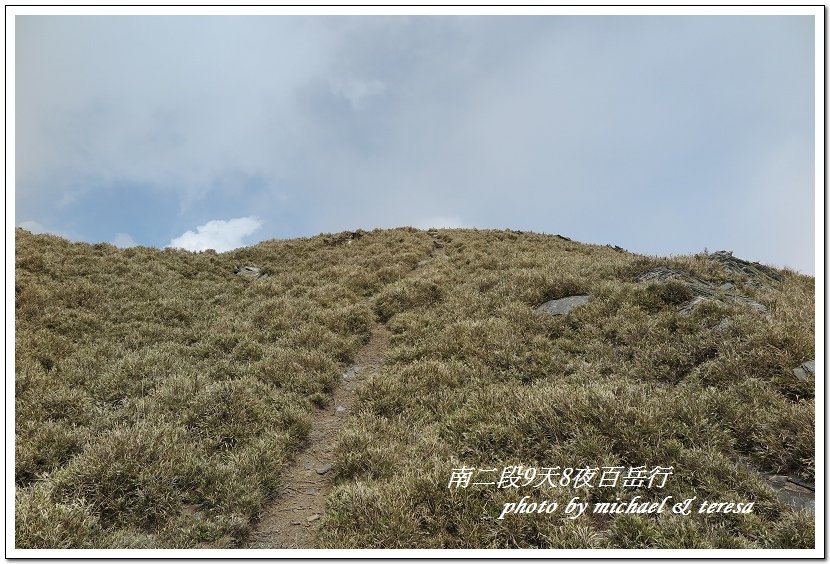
291 520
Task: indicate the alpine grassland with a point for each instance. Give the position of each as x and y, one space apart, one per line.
158 396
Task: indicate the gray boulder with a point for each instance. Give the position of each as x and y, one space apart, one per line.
249 272
806 370
562 305
795 493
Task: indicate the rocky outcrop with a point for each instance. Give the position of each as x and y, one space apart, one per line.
666 273
756 274
343 238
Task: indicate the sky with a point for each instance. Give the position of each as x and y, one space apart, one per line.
664 135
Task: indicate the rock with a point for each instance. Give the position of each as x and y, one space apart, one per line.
323 469
249 272
661 273
191 510
700 288
424 262
312 518
344 237
806 370
665 273
340 409
723 326
758 274
562 237
563 305
757 306
687 308
795 493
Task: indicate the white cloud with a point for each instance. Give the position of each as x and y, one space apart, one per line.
37 228
124 240
358 91
441 221
217 234
33 226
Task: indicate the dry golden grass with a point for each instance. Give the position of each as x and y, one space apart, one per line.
477 378
158 395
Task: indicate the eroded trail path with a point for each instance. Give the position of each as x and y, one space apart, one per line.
291 519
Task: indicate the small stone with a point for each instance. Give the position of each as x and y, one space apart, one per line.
727 286
253 271
191 510
312 518
296 522
724 324
323 469
688 307
340 409
759 307
563 305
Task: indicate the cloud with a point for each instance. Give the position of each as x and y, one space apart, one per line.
124 240
382 121
37 228
217 234
358 91
441 221
33 226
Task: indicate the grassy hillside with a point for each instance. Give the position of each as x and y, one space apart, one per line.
158 395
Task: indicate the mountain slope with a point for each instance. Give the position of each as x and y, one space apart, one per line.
159 395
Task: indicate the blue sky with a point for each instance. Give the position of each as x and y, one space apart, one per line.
664 135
